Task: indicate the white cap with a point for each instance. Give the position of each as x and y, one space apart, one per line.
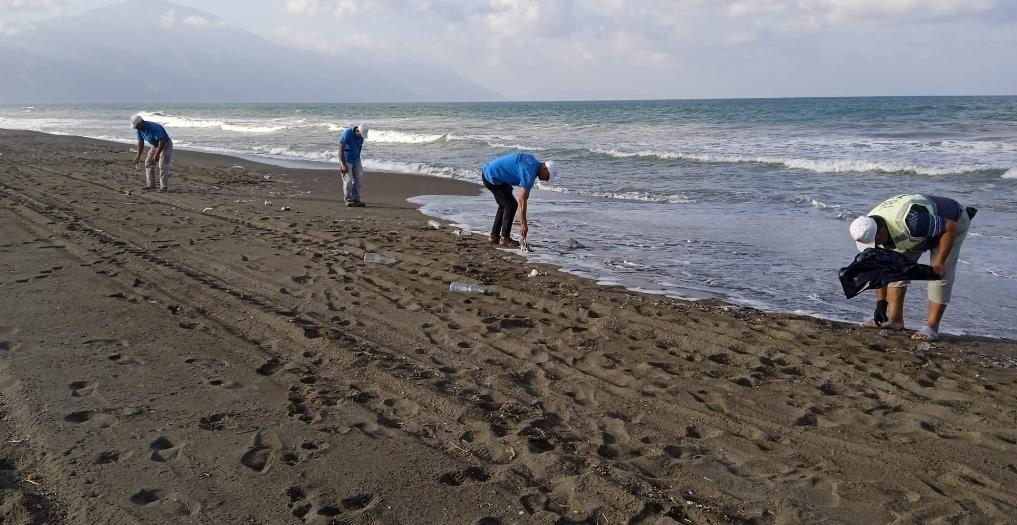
863 231
552 168
363 130
135 120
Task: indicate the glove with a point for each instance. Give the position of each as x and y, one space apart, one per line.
880 314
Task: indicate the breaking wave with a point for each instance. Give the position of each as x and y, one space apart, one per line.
819 166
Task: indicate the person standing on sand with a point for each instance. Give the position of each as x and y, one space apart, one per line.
912 225
351 168
161 151
500 175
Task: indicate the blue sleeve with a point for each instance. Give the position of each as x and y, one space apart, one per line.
139 135
528 167
344 138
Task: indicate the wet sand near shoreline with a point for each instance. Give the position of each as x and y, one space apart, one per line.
203 356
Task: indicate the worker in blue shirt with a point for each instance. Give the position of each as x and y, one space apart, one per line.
161 152
351 168
500 176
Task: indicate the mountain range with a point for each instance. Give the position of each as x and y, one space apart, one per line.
155 51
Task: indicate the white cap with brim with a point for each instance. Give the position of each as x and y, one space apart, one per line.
552 168
135 120
863 231
363 130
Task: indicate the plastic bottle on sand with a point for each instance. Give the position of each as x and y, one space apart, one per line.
459 287
377 258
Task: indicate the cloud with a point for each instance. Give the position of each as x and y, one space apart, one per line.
197 21
9 30
50 6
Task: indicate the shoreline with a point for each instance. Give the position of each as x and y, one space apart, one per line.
312 168
201 356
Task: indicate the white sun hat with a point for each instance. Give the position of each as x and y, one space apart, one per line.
552 168
135 120
863 231
363 130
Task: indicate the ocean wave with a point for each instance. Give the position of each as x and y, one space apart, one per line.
621 195
420 168
837 210
1010 174
403 137
819 166
172 121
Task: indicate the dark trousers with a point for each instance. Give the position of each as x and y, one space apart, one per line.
507 206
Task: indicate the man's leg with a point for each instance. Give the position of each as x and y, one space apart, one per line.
941 291
348 184
499 215
357 170
895 305
150 169
165 163
508 202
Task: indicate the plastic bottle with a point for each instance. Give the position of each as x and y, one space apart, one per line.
376 258
459 287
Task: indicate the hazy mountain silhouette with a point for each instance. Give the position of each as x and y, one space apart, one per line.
155 51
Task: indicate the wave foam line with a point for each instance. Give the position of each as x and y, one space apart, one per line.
621 195
819 166
172 121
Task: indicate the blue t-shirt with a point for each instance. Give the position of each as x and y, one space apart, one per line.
152 133
921 223
514 169
351 145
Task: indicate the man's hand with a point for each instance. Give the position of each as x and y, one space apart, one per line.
940 269
344 169
523 229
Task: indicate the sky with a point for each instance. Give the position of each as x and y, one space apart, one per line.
639 49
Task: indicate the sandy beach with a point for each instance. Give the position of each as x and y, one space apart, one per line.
223 354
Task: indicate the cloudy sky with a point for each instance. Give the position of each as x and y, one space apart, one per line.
621 49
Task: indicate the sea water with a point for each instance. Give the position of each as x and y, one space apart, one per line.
742 200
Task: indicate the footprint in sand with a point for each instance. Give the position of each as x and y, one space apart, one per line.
270 367
166 500
82 388
109 456
91 417
164 449
260 456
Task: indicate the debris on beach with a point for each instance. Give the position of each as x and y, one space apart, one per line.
284 208
206 210
238 167
575 245
434 224
378 258
268 203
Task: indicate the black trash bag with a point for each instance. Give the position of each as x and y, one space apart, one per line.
877 267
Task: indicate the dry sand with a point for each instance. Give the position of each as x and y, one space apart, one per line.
161 362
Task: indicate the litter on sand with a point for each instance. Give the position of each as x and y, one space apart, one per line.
524 245
206 210
434 224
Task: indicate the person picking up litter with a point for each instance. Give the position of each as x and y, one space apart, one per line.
500 176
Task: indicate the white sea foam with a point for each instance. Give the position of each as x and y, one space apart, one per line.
621 195
403 137
420 168
819 166
172 121
1010 174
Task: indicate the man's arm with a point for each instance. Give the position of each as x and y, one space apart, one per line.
140 148
159 146
343 168
945 246
524 195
